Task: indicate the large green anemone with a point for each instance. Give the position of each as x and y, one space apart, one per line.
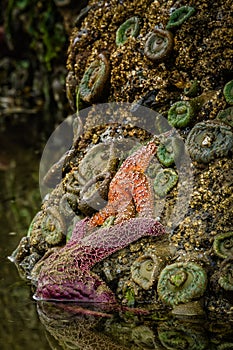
181 282
208 141
93 84
180 114
223 244
158 45
164 181
129 28
179 16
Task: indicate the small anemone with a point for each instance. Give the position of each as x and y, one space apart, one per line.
94 80
53 226
181 282
99 159
179 16
226 274
94 194
228 92
158 45
145 269
180 114
226 116
169 151
129 28
164 181
208 140
223 245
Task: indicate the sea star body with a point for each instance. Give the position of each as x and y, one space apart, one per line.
67 274
130 190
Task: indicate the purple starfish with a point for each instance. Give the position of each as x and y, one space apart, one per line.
67 274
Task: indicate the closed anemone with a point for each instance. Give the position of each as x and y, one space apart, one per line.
179 16
129 28
226 274
93 84
158 45
223 245
164 181
180 114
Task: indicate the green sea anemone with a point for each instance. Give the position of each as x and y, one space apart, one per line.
226 116
226 274
164 181
181 282
93 84
208 140
180 114
129 28
169 150
223 245
158 45
53 226
228 92
179 16
145 269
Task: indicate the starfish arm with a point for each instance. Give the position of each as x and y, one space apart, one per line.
143 195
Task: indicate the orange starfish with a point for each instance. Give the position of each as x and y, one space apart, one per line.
130 191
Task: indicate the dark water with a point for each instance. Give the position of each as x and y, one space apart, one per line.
19 201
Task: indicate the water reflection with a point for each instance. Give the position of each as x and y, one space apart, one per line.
72 326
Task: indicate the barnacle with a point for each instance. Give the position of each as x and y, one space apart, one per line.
223 245
181 282
180 114
206 141
93 84
129 28
179 16
164 181
228 92
158 45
